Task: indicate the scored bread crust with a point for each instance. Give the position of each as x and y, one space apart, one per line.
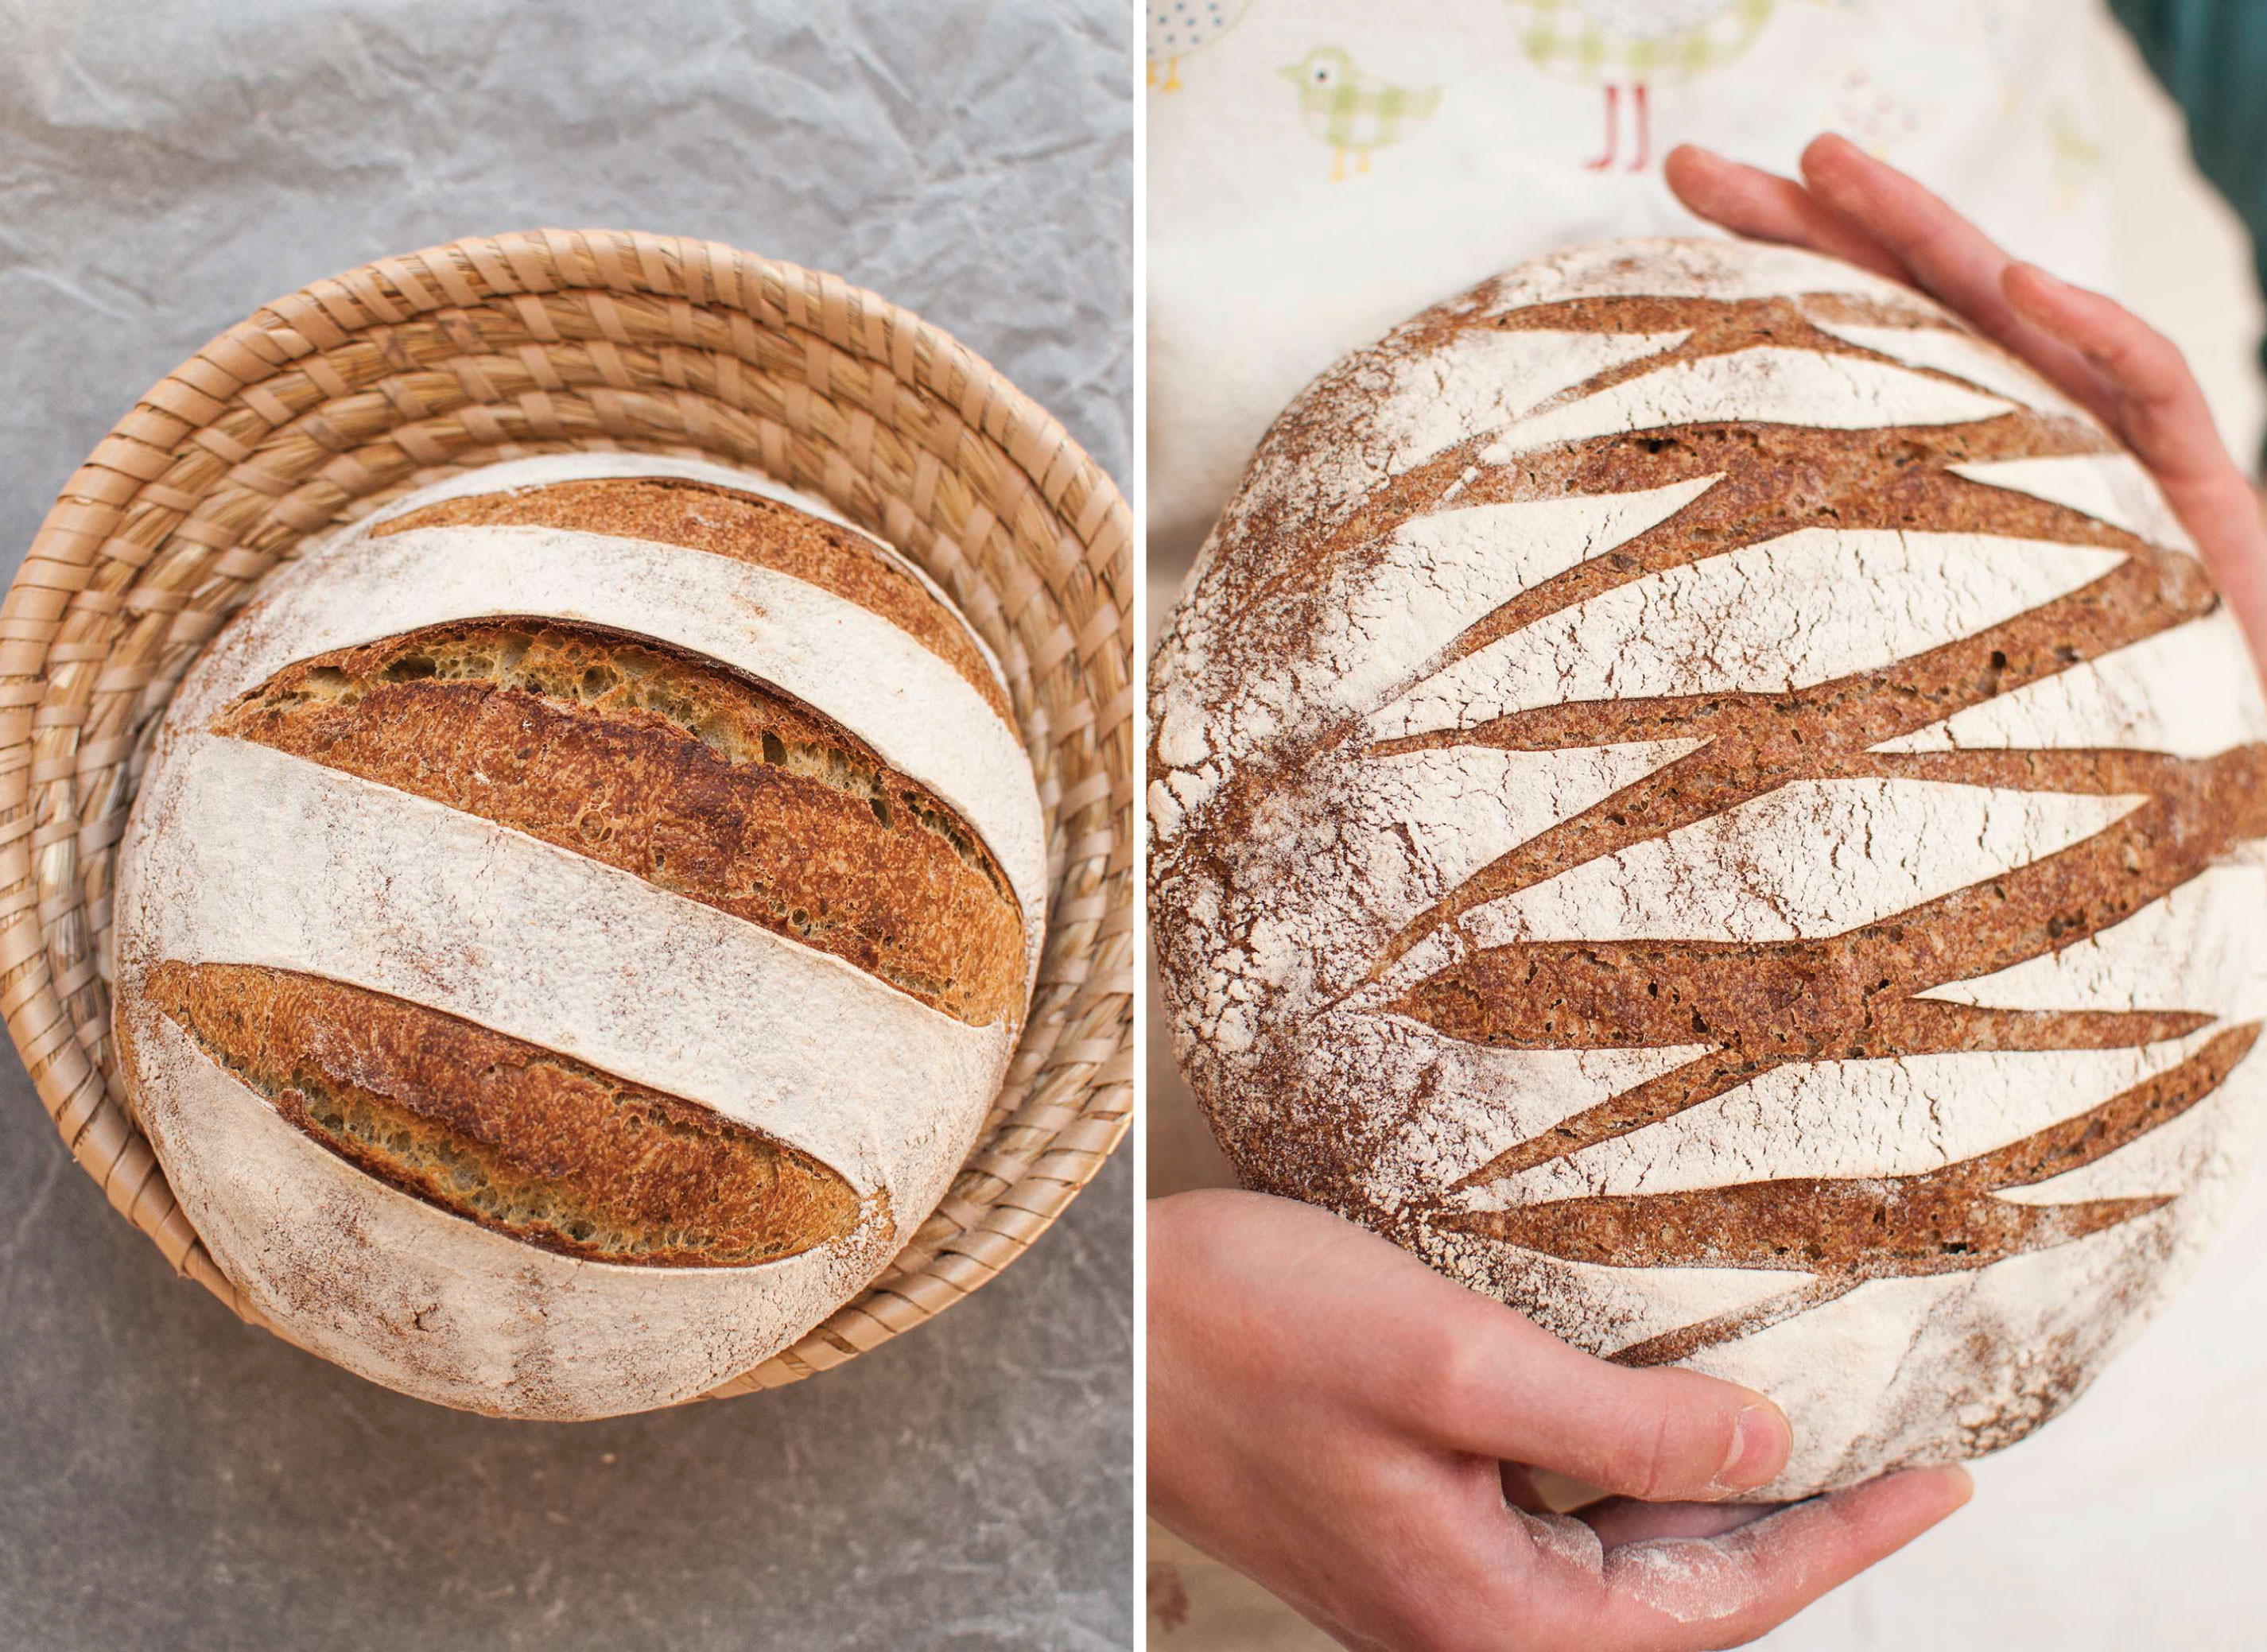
614 788
519 1139
1705 801
698 779
747 526
913 707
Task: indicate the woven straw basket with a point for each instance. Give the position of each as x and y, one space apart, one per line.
325 404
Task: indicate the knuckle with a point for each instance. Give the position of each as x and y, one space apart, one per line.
1658 1453
2142 350
1657 1470
1448 1379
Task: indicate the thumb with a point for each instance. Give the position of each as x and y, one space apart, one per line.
1513 1391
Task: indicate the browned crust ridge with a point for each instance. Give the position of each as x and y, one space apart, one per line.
702 781
1846 1232
521 1140
1856 995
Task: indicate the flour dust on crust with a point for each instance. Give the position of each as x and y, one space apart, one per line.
1705 800
471 790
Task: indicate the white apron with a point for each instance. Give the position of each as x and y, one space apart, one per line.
1319 170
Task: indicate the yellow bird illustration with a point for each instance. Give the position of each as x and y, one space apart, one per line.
1350 111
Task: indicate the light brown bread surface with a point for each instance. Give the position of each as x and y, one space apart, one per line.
521 1140
703 517
700 780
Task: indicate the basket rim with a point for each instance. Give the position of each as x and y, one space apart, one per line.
323 404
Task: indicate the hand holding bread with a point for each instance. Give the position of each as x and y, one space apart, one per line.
1379 1430
2116 366
1336 1420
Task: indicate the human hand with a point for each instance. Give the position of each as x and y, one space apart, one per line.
1358 1433
2103 357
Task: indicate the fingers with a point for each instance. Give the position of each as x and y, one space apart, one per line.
1749 202
2165 419
2131 376
1938 250
1497 1385
2158 409
1752 1580
1855 207
1941 252
1674 1592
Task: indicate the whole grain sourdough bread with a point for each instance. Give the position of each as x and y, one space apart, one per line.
572 926
1708 802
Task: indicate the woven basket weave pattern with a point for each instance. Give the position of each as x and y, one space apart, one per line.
325 404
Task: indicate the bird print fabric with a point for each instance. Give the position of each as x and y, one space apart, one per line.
1355 112
1415 147
1630 45
1178 28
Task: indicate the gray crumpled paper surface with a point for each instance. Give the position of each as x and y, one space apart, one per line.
175 1479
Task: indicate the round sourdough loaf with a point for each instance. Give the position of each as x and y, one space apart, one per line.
1708 802
571 929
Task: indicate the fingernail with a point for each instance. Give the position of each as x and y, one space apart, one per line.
1760 1440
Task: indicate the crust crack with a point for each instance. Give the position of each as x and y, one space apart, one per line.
517 1139
703 782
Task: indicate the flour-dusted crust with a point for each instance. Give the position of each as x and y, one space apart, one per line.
698 781
540 472
842 659
492 1043
520 1139
749 527
1705 800
435 1307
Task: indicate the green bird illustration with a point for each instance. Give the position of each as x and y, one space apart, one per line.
1350 111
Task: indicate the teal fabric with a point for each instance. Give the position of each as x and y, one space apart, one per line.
2212 56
